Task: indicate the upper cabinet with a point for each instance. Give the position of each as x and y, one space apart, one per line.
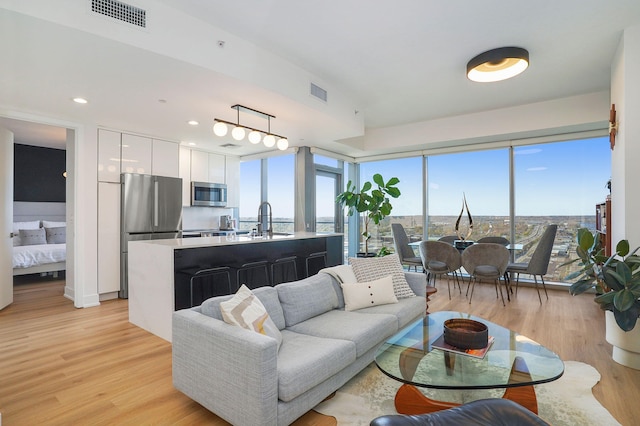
199 166
125 153
165 158
136 154
232 179
108 156
185 174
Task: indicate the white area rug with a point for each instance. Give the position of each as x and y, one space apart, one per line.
566 401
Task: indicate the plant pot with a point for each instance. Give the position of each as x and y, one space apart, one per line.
365 254
626 344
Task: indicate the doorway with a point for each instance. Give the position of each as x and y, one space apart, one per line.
38 134
328 214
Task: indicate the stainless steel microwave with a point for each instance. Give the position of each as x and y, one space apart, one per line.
208 194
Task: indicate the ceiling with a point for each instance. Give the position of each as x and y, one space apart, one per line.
398 64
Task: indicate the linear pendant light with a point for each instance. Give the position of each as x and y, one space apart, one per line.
239 131
498 64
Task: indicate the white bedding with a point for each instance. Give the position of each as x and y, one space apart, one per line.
28 256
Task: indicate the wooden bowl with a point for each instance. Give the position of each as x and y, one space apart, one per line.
465 333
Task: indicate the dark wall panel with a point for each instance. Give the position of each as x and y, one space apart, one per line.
37 174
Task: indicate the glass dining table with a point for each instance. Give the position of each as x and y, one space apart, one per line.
513 362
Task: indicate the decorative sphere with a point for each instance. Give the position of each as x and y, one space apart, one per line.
283 144
238 133
269 141
220 129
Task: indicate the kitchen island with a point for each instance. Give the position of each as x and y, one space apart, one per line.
158 287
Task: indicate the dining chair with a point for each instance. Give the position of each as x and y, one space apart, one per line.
539 262
440 258
486 261
492 239
449 239
403 249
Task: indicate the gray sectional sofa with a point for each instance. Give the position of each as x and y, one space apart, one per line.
242 377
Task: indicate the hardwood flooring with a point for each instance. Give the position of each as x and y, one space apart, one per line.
60 365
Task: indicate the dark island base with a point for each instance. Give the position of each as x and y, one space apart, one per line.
235 255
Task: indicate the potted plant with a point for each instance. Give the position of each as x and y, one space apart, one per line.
616 281
371 201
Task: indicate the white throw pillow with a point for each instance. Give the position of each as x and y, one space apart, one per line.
372 268
244 309
342 273
363 295
51 224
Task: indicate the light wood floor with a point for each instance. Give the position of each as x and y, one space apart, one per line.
61 365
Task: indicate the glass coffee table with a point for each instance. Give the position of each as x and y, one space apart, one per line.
513 361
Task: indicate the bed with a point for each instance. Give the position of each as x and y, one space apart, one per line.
39 246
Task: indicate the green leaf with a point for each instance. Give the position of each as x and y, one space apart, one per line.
367 186
622 248
393 192
624 299
377 178
392 181
605 297
580 287
585 239
626 320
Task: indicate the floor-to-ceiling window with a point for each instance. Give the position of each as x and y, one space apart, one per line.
480 177
280 191
558 183
276 174
407 209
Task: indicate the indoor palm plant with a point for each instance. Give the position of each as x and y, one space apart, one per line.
616 278
371 201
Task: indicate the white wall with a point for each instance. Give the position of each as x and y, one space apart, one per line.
625 94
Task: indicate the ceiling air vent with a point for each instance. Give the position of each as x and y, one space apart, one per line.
318 92
229 145
122 11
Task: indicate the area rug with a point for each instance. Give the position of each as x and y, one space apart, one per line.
566 401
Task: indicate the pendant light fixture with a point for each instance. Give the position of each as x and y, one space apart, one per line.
238 133
498 64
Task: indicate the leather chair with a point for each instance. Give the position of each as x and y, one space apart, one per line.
483 412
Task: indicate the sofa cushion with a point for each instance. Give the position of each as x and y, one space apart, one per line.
304 299
368 294
365 330
305 361
244 309
373 268
406 310
267 295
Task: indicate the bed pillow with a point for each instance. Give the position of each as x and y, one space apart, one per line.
17 226
372 293
56 235
372 268
50 224
32 237
245 310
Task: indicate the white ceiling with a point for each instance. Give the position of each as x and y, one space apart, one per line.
399 62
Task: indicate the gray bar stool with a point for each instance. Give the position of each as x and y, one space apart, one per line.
260 267
199 274
319 259
284 266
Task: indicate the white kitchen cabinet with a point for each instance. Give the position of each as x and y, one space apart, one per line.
232 179
185 174
136 154
108 237
108 156
216 168
165 158
199 166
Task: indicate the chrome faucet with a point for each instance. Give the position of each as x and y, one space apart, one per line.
270 228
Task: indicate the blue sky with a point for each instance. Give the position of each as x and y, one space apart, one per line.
562 178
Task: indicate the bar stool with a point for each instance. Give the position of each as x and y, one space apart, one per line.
199 274
318 258
260 266
283 265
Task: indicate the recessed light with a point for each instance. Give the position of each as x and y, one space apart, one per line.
191 144
80 100
193 122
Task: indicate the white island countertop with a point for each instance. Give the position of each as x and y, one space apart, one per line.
184 243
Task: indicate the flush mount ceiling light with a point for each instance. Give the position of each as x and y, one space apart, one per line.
239 131
79 100
498 64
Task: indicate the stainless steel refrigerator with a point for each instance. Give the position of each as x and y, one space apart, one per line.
151 210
